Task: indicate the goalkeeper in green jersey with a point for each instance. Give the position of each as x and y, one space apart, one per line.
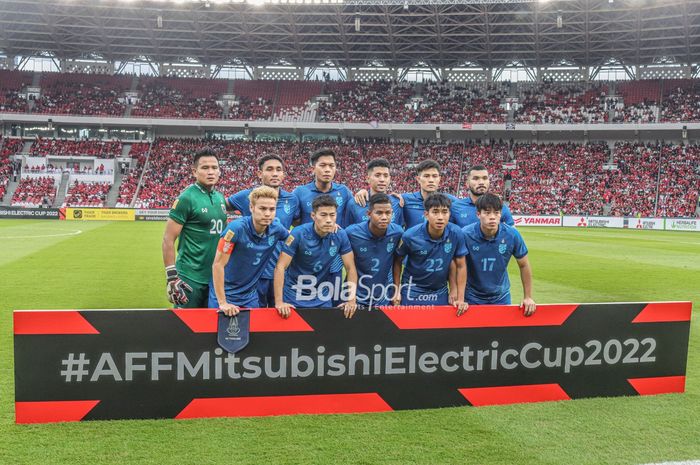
196 218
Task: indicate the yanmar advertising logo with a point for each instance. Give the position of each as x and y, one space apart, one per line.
538 221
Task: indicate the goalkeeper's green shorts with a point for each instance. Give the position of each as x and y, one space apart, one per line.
198 297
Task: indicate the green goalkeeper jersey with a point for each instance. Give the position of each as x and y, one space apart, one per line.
202 215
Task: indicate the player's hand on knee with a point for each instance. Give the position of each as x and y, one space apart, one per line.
229 309
361 197
284 309
462 307
528 305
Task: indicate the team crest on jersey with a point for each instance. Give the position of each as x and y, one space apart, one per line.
223 208
502 248
339 200
390 247
229 235
271 240
287 207
447 247
333 249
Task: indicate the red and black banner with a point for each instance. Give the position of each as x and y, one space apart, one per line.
74 365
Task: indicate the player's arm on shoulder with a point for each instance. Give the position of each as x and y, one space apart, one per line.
361 197
283 308
528 304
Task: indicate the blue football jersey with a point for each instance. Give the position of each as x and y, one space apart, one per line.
287 212
312 256
251 252
357 214
306 195
487 262
414 210
427 259
374 258
463 213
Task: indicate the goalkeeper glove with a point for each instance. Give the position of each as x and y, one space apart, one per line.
176 287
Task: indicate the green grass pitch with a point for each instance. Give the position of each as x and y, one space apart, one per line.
46 265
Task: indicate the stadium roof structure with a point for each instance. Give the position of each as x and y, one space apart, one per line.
356 33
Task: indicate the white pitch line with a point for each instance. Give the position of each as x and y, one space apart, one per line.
72 233
687 462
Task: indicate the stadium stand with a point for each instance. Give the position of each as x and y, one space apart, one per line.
82 94
562 103
180 98
89 148
35 192
8 148
127 189
87 194
11 83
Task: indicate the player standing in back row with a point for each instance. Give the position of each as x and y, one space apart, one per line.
196 220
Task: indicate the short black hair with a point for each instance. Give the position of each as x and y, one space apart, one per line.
377 199
489 202
205 152
324 152
323 200
427 165
269 157
476 168
378 163
437 200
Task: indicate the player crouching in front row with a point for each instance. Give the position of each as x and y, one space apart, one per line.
490 244
303 273
245 247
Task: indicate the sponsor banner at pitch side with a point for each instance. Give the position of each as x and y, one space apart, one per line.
35 213
682 224
605 222
544 221
160 363
645 223
100 214
151 214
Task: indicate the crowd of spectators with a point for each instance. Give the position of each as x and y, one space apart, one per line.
630 190
679 180
8 148
127 189
87 194
11 85
35 192
681 105
180 98
82 94
382 100
562 103
445 102
558 178
83 147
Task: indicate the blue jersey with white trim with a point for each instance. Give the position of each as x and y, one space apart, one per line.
374 258
463 213
414 210
487 262
428 260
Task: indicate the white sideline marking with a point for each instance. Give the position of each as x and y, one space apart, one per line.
72 233
688 462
